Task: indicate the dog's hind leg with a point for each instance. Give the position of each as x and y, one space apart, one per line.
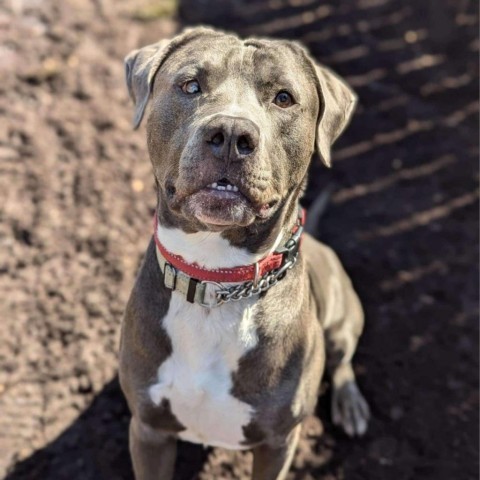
341 315
349 408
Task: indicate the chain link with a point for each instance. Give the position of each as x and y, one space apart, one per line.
248 289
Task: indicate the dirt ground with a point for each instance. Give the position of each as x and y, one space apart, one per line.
76 200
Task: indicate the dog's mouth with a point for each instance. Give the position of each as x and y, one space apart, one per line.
224 185
223 203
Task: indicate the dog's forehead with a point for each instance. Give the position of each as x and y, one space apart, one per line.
229 55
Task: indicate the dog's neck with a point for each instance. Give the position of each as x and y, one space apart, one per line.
209 249
213 250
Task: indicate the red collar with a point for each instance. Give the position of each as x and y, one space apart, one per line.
244 273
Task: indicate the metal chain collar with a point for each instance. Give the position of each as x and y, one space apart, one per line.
268 280
248 289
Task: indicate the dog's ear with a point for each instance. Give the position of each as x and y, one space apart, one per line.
337 103
140 69
142 65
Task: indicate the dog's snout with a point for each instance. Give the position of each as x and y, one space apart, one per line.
231 138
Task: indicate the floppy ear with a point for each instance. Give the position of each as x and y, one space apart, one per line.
337 103
142 65
140 69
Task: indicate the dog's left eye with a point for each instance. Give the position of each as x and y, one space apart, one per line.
283 99
191 87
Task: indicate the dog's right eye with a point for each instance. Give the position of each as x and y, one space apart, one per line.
283 99
191 87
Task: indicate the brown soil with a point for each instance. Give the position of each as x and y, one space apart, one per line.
76 205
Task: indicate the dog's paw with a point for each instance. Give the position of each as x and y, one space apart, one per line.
349 409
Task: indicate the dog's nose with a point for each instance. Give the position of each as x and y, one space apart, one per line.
231 138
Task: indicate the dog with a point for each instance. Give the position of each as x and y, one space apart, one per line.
236 312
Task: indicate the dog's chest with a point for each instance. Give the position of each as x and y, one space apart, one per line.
197 377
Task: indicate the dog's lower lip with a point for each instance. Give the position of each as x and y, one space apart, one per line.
219 207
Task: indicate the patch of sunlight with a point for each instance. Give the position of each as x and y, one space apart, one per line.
155 10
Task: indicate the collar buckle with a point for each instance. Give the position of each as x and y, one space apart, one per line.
169 276
217 300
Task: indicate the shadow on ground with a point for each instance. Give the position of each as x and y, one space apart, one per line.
95 447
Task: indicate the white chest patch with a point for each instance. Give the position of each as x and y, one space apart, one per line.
197 377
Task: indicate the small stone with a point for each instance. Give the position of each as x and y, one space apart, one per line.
8 153
384 450
411 36
416 342
137 185
396 412
427 299
397 164
51 66
73 61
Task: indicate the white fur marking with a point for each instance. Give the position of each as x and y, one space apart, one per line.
197 377
206 346
209 249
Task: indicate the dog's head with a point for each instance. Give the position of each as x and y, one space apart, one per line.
233 124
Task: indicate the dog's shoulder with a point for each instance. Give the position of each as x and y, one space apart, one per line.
144 343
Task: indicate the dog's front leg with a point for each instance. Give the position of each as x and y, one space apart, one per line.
273 463
153 453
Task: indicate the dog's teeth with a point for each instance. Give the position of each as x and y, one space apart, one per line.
228 187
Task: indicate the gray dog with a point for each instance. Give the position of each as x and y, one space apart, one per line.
235 314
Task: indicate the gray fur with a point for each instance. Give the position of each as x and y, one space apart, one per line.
314 308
